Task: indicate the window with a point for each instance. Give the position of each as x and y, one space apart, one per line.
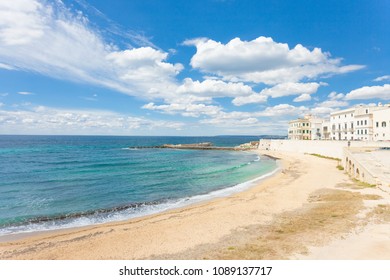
383 124
365 131
365 122
377 124
357 122
358 131
366 111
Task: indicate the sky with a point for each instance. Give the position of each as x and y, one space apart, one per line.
190 68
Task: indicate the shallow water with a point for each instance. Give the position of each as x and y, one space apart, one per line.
51 182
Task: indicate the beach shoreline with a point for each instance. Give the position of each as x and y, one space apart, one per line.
223 228
180 203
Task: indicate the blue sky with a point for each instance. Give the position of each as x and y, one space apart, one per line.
205 67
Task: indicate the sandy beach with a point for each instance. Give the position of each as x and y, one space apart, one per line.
308 210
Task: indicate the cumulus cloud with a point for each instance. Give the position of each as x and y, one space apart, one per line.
214 88
333 103
187 110
302 98
336 96
253 98
231 119
263 61
370 92
5 66
47 38
321 111
335 100
46 120
284 89
25 93
382 78
282 110
279 114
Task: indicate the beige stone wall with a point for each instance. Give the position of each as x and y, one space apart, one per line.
357 169
326 148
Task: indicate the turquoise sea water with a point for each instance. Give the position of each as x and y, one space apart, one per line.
51 182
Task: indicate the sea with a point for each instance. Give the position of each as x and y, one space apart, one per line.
55 182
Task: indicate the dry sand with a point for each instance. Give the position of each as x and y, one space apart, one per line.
309 210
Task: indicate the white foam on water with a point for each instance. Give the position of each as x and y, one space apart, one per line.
142 210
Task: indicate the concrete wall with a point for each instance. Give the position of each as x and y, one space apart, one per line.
357 169
326 148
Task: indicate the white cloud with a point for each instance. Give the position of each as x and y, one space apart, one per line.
381 92
286 89
214 88
321 111
253 98
187 110
229 120
335 100
333 103
48 120
47 38
336 96
282 110
382 78
194 92
263 61
280 90
25 93
302 98
5 66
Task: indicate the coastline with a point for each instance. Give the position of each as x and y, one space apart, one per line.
183 202
228 227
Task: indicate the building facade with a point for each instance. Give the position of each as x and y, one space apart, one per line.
381 124
362 123
326 130
342 125
307 128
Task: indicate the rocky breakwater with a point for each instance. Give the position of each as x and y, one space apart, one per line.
202 146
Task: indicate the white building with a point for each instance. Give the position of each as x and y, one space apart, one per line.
316 128
298 129
381 124
363 120
307 128
363 123
342 124
326 130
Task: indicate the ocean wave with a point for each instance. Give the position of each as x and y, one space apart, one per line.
120 213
